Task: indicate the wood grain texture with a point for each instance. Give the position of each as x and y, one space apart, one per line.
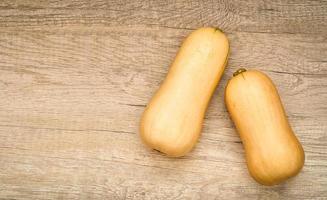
75 77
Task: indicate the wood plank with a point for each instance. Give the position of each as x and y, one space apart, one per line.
75 164
75 77
117 72
71 101
290 16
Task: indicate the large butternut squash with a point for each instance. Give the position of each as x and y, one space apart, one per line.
273 152
172 121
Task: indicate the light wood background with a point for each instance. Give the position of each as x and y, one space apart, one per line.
75 77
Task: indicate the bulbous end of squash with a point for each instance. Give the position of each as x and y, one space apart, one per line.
170 145
279 170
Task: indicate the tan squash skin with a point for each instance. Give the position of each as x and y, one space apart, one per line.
172 121
273 153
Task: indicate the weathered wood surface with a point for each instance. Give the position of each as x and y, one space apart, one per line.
75 77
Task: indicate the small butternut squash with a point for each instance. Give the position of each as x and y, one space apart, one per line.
273 153
172 121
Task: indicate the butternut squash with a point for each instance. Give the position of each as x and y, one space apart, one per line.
172 121
273 153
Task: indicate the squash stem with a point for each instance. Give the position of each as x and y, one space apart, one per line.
218 29
239 71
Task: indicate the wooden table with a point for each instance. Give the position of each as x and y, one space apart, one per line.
75 77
